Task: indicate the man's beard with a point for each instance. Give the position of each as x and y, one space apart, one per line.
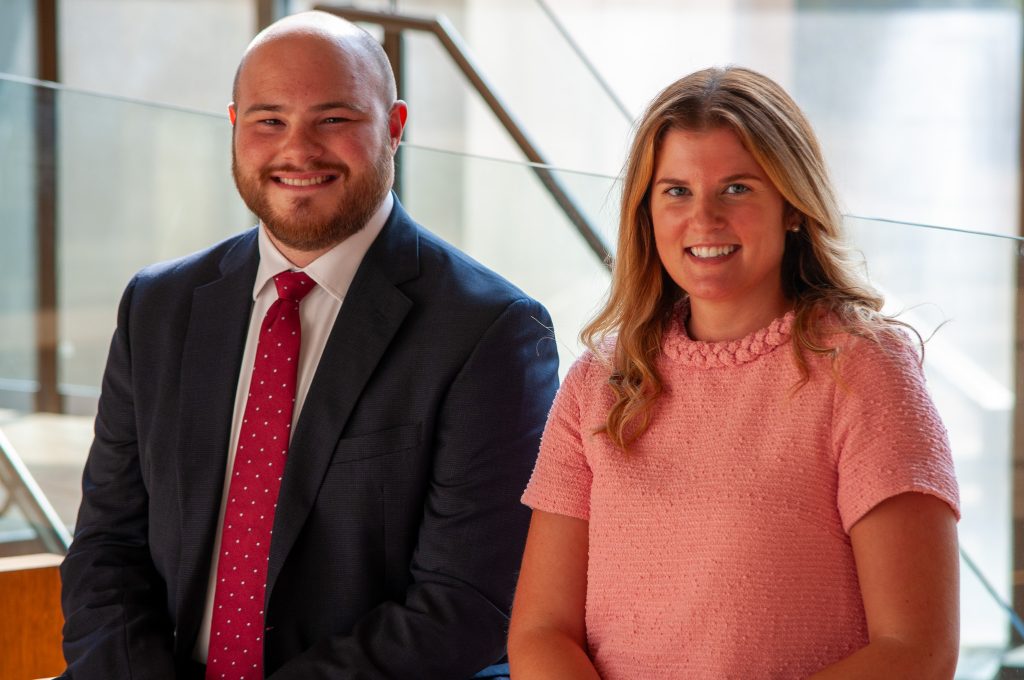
302 228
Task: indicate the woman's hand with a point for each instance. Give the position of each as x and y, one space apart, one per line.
547 635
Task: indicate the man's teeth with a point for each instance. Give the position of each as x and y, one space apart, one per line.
711 251
304 182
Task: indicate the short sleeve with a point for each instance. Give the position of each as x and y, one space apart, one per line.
562 477
887 434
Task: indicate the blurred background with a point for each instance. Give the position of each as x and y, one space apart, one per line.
115 153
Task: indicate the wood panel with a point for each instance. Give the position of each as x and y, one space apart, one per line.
30 616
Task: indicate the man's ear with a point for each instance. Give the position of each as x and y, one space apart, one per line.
232 113
396 122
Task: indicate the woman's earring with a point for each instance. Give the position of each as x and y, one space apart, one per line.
793 227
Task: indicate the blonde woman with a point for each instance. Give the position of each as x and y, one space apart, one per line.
744 476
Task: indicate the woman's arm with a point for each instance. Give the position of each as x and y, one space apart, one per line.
907 562
547 635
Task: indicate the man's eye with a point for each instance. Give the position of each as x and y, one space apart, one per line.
336 119
270 122
737 189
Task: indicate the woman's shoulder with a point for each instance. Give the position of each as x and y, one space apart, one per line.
882 351
885 337
595 363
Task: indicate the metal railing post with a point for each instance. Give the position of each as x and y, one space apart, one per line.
269 11
1017 452
48 398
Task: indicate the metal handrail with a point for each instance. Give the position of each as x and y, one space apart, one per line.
31 501
453 44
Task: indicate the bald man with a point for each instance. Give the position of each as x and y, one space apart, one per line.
312 436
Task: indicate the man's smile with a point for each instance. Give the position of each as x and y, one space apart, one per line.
301 181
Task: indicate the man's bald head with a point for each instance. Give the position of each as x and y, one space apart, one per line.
334 33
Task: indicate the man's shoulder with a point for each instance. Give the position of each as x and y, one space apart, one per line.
201 266
461 276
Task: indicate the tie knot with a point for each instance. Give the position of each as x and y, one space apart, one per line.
293 285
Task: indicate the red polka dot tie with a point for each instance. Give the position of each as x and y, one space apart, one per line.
236 633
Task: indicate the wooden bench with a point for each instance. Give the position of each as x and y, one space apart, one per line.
30 616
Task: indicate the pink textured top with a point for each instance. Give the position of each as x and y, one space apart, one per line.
719 545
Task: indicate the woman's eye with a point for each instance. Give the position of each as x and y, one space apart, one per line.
737 189
677 191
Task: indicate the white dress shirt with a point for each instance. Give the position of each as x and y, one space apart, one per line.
333 273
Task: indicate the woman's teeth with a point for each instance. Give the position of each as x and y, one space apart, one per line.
711 251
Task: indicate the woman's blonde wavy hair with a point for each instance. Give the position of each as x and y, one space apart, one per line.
819 272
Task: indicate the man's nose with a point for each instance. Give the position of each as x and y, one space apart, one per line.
302 145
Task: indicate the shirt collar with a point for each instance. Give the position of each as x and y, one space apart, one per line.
334 270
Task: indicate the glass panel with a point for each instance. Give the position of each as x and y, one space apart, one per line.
18 256
17 205
18 37
177 53
918 107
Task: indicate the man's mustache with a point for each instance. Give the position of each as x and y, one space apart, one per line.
340 169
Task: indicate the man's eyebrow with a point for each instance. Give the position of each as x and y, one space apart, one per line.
264 107
316 108
328 106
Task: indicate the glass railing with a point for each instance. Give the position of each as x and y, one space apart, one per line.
136 183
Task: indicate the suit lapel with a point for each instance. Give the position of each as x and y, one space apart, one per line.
371 314
211 359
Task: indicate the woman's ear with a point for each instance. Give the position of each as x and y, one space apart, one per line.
792 219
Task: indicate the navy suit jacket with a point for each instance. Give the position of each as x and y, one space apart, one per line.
398 531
